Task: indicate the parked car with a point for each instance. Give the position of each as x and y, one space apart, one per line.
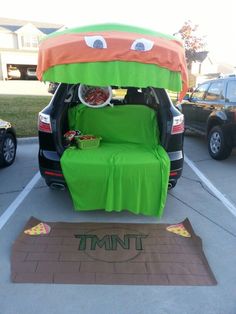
8 144
53 123
211 110
13 73
31 73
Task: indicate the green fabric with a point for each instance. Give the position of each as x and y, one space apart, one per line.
117 73
118 124
111 27
128 171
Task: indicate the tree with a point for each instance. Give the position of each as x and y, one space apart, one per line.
194 44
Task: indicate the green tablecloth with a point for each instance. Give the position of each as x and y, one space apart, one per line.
129 170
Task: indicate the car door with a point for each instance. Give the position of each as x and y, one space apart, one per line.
230 105
212 103
189 107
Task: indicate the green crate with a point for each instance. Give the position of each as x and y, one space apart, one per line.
87 144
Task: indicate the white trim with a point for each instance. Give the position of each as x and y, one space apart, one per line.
227 203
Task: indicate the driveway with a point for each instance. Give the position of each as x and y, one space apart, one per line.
209 216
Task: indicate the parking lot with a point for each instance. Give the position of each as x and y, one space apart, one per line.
209 203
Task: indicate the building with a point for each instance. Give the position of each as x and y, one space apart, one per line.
209 69
19 42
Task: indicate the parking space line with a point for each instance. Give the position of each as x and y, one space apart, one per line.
15 204
231 207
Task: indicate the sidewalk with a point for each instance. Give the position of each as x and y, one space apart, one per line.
27 140
24 88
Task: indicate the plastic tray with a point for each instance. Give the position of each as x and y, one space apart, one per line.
87 144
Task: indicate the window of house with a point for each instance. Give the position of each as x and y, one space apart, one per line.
199 93
231 91
29 41
215 91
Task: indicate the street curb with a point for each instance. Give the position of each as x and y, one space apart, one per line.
27 140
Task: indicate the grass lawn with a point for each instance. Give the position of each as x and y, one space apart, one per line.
22 112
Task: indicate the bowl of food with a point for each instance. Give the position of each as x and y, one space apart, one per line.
95 96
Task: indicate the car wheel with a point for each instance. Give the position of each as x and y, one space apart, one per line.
218 147
8 150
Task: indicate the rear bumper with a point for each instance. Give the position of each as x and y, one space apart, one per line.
51 176
49 159
176 164
50 167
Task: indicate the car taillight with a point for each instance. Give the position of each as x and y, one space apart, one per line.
44 123
178 124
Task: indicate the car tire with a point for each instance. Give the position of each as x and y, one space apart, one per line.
8 150
218 147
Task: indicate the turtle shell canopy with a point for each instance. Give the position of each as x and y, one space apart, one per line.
113 54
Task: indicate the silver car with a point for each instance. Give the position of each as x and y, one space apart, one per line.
8 144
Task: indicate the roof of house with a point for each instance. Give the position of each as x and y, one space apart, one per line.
14 24
11 28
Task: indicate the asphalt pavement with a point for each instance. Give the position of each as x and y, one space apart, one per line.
24 194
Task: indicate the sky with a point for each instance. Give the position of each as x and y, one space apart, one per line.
216 19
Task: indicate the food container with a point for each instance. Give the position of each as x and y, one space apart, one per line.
95 96
87 141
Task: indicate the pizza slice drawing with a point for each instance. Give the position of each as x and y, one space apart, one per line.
179 229
39 229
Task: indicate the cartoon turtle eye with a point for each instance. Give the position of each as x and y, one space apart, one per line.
97 42
142 44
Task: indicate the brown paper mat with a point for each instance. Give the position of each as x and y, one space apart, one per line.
110 253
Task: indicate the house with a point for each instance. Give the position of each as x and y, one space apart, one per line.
209 69
19 42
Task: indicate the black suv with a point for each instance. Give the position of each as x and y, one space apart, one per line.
211 110
53 124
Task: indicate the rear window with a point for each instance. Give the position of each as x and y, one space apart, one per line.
120 96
